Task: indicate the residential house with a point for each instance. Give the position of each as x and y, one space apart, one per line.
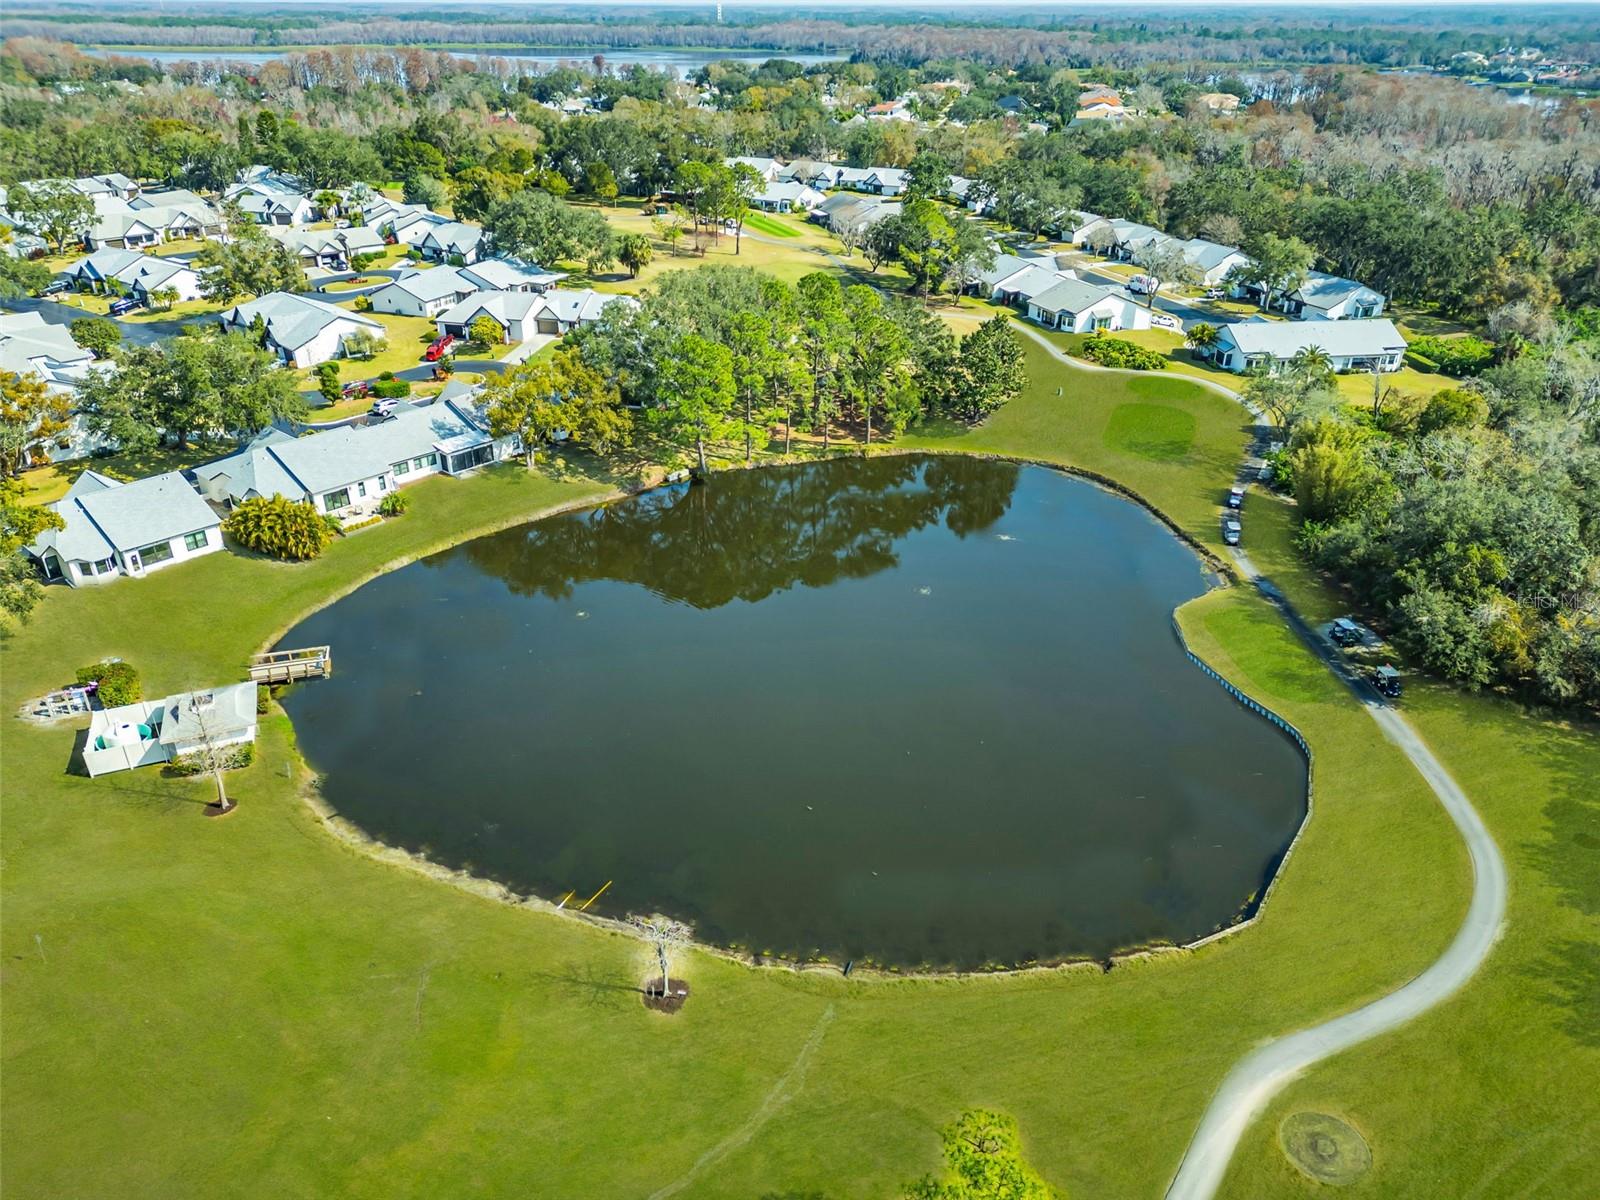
451 241
96 272
113 184
850 216
405 224
152 275
1330 298
885 181
346 472
768 168
1215 103
783 197
1077 307
1351 345
148 732
1074 226
889 110
814 174
272 207
1020 287
1212 261
111 528
302 331
510 275
525 315
425 292
852 178
29 345
329 249
1103 112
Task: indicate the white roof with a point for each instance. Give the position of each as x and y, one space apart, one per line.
1341 339
455 236
496 273
31 345
1324 291
292 320
433 283
1072 295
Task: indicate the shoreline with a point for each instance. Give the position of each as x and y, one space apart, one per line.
1222 575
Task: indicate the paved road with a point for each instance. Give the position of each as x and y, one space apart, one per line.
135 333
1264 1072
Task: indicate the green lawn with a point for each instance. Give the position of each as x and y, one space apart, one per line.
41 485
249 1007
1175 444
771 225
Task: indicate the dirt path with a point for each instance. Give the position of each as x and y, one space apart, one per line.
785 1090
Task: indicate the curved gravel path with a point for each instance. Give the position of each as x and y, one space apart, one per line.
1265 1071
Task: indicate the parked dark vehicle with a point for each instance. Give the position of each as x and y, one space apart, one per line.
1386 681
1231 529
356 389
1345 632
54 288
120 307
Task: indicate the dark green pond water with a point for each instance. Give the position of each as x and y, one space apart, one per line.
919 711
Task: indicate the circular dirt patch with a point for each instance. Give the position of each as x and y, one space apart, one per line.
1325 1148
216 810
671 1002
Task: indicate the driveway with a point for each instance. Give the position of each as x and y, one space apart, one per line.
135 333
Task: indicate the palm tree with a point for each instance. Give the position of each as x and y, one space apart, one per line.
1202 338
1311 362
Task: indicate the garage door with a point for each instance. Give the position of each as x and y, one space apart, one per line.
548 325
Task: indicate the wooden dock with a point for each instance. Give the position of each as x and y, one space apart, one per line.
289 666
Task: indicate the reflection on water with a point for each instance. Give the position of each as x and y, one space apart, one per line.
917 710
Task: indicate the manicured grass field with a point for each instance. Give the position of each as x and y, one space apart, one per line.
772 226
247 1007
41 485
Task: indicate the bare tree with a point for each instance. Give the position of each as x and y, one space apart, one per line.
200 714
665 934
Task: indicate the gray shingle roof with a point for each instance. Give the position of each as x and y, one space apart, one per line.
1283 339
102 515
1071 295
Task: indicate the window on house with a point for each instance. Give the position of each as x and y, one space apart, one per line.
196 541
382 484
361 488
105 566
402 467
336 500
157 552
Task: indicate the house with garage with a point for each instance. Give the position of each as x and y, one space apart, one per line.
405 224
850 216
113 183
1330 298
1074 226
782 197
1212 262
168 278
1370 344
328 249
1019 288
452 241
510 275
119 226
852 178
822 176
103 270
885 181
301 331
111 529
525 315
424 292
1073 306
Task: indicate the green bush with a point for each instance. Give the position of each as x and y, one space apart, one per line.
1117 352
363 303
263 698
1458 356
279 527
1421 362
119 681
391 389
394 504
234 758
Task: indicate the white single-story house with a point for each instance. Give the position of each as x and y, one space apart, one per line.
424 292
1330 298
1077 307
768 168
820 175
407 224
1005 265
113 183
267 207
114 528
845 214
303 332
331 249
268 179
523 315
1351 345
148 732
162 274
1075 226
1212 261
93 272
346 472
454 239
510 275
885 181
1019 288
785 196
29 345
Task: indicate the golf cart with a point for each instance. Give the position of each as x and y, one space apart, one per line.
1236 497
1231 529
1386 681
1345 632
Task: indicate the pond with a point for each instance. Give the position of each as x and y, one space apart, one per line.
906 710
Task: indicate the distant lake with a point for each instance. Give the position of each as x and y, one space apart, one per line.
926 711
685 61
